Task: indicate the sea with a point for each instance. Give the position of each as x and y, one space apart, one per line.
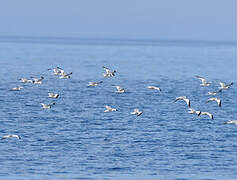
77 140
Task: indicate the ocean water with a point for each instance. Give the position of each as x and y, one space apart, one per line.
75 139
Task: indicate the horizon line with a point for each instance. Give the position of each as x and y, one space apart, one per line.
113 39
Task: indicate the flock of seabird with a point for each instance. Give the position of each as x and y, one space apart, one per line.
108 74
56 71
223 86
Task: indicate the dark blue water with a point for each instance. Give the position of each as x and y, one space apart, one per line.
77 140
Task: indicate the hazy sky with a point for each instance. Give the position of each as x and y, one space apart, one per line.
141 19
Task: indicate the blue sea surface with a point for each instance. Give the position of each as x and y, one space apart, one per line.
76 139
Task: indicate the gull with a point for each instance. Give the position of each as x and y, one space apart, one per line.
208 114
225 86
24 80
231 122
109 109
11 136
215 99
214 92
192 111
184 98
58 71
38 81
52 95
154 87
65 76
119 89
94 83
108 72
47 106
204 81
137 112
16 88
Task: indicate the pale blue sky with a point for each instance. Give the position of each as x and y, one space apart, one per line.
135 19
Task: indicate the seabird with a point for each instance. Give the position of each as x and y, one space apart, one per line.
214 92
47 106
94 83
108 72
38 81
119 89
52 95
16 88
154 87
109 109
215 99
192 111
208 114
204 81
57 71
137 112
65 76
225 86
11 136
24 80
184 98
231 122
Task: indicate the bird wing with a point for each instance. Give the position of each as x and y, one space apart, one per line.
108 107
211 99
180 98
208 114
139 113
150 87
118 88
68 74
106 69
222 85
187 101
219 102
202 79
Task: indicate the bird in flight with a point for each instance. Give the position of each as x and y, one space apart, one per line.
231 122
215 99
208 114
108 72
11 136
119 89
154 88
16 88
214 92
184 98
137 112
109 109
225 86
47 106
52 95
65 76
94 83
204 81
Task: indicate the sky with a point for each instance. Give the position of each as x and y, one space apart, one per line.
128 19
